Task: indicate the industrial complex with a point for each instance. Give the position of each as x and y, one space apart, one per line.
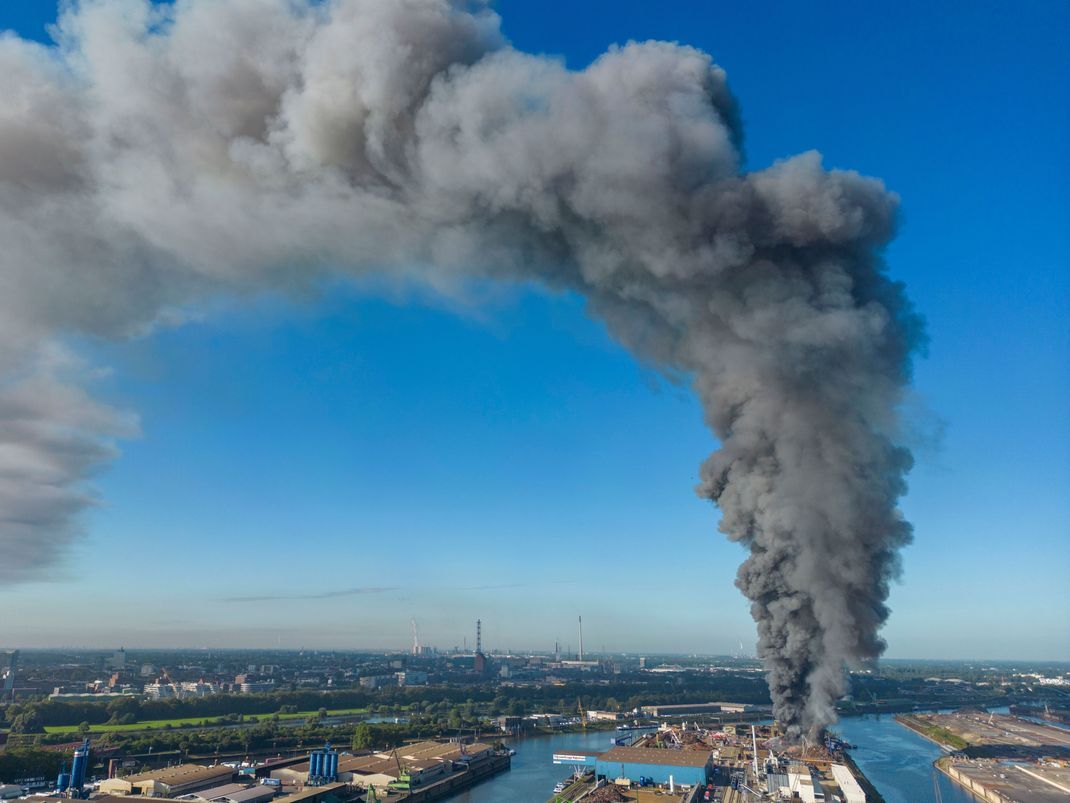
422 725
424 771
733 764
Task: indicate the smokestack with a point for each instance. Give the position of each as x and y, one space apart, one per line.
754 750
281 143
581 638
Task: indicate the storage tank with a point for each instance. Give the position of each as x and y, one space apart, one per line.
63 781
315 764
81 763
332 766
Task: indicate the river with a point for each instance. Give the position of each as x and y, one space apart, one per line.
895 759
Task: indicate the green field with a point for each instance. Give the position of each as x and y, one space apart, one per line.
944 736
159 724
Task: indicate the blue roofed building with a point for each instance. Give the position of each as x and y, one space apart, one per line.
684 766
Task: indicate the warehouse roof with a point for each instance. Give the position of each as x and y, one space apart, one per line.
182 774
439 750
312 791
215 791
650 755
681 706
248 793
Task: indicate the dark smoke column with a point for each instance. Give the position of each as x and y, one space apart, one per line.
800 347
801 362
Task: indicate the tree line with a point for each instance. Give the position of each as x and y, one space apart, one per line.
615 694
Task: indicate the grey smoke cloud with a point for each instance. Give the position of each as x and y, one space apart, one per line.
52 437
159 155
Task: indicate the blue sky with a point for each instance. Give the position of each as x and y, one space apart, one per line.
505 460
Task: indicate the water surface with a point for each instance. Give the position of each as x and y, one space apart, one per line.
898 761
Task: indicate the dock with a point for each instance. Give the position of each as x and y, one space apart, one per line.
454 782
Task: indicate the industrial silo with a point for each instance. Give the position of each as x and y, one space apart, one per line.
79 766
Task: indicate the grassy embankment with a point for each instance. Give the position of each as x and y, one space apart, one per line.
941 736
195 722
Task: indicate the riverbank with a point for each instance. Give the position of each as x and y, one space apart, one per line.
872 795
940 736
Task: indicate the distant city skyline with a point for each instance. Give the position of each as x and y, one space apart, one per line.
317 472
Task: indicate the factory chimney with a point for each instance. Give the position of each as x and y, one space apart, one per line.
581 638
754 750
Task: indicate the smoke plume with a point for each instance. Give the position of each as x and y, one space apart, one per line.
154 156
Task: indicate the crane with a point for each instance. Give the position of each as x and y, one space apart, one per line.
404 780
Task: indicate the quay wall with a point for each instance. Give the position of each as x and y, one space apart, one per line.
978 790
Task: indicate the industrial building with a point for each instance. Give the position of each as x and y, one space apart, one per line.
213 792
170 781
687 767
232 793
422 762
802 781
692 709
605 716
411 677
850 791
316 794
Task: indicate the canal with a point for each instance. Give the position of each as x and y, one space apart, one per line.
898 761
